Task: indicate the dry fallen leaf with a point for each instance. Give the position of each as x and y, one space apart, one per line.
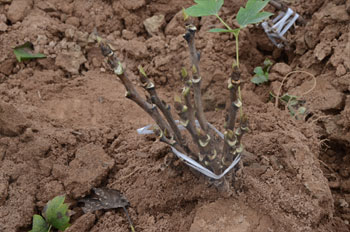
104 199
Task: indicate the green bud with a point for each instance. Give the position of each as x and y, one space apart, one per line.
142 71
184 73
119 69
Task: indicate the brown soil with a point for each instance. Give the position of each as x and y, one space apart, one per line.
65 126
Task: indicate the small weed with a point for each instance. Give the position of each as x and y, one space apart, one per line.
25 52
55 214
262 73
294 105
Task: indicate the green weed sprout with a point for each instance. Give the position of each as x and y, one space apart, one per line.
262 73
55 214
26 52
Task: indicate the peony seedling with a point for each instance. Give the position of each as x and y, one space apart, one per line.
262 73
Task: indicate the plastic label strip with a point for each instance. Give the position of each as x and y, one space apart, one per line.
189 161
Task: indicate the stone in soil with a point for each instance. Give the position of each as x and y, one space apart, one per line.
19 9
12 122
90 166
281 68
83 223
154 24
133 4
70 61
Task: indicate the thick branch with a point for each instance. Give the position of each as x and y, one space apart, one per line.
164 108
206 143
198 137
236 146
196 78
233 84
235 104
208 147
131 91
207 152
182 111
243 128
186 94
230 144
170 142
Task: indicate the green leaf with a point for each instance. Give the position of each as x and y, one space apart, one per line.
291 110
259 71
25 52
184 73
259 80
204 8
287 97
55 213
218 30
302 110
39 224
267 66
184 14
293 102
260 76
267 62
142 71
235 32
251 13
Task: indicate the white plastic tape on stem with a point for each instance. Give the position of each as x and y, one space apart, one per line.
190 162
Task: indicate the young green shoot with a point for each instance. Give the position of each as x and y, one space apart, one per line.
262 73
294 104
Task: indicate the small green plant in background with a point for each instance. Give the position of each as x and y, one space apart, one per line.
294 105
26 52
262 73
55 215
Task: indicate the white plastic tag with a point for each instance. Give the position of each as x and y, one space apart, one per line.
281 25
190 162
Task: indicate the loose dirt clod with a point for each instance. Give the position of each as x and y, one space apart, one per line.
12 122
19 9
154 24
78 178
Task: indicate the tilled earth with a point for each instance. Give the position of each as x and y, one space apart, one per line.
66 127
